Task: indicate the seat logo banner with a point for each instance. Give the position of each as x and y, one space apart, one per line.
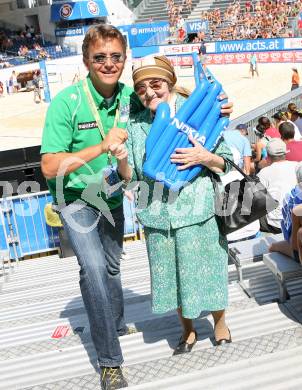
77 10
93 8
66 11
293 43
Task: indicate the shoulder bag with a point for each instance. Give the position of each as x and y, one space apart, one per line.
240 202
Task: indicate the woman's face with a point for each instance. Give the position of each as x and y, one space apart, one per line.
152 92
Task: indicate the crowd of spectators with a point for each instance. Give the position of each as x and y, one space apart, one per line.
20 42
4 63
25 38
175 11
6 42
254 20
273 158
23 51
261 19
19 47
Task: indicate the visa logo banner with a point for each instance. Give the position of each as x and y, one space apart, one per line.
195 26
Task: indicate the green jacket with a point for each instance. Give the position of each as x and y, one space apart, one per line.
70 127
156 207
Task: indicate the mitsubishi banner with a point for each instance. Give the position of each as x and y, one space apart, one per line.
149 34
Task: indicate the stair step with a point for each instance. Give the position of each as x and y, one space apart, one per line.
236 366
31 358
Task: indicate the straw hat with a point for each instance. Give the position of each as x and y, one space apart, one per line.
154 67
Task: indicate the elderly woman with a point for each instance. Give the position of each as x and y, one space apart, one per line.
187 255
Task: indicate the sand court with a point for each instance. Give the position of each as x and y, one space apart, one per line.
21 120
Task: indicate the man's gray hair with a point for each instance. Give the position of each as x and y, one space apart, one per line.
299 172
277 158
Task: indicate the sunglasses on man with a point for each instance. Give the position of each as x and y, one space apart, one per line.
115 58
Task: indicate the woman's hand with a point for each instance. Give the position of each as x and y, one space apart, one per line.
119 151
227 108
191 156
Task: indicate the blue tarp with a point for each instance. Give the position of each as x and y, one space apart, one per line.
77 10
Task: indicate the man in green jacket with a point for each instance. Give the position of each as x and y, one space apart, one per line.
85 123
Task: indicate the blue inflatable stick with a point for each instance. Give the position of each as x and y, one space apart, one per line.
200 117
161 121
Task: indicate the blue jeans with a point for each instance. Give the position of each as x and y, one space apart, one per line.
98 247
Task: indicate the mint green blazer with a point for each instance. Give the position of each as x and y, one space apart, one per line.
157 207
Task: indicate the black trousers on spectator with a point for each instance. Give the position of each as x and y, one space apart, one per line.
294 86
265 227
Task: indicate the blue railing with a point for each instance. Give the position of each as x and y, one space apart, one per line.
24 231
267 109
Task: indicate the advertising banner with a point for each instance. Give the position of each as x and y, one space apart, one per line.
77 10
249 45
292 43
194 26
44 78
300 20
230 47
69 32
179 49
146 34
241 58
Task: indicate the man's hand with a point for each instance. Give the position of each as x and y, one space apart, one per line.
227 108
115 136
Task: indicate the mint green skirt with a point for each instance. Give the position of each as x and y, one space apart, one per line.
189 268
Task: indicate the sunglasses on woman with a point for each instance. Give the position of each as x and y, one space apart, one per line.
155 84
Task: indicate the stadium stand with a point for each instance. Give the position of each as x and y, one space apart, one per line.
155 10
267 19
16 48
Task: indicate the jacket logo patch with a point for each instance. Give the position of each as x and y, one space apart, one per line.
124 113
87 125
